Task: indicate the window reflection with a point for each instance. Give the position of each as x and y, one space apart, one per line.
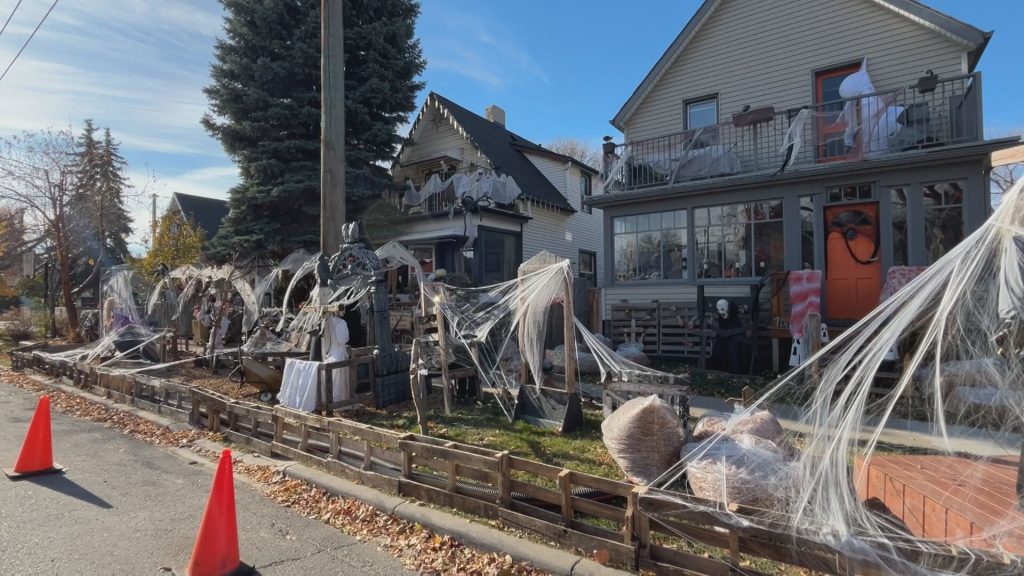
943 217
650 246
739 240
900 247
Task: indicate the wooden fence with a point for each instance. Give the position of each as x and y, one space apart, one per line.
639 527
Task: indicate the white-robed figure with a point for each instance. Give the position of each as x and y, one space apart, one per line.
335 347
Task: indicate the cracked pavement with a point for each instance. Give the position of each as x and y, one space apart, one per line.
127 507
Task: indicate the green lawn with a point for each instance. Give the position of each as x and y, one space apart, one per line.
486 426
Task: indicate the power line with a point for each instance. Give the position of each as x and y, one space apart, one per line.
32 35
9 18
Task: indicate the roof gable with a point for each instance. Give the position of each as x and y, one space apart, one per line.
503 150
207 213
973 38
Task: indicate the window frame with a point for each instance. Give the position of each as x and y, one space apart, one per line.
592 274
700 100
750 230
683 230
586 191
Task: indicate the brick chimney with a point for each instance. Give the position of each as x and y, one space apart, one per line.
495 114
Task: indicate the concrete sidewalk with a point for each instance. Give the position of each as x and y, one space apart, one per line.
473 534
896 431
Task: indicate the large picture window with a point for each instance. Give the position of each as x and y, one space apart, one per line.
739 240
943 218
650 246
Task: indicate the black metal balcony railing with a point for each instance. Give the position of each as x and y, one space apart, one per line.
866 127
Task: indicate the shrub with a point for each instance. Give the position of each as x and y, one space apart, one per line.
9 302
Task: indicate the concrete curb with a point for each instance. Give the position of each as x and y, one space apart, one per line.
473 534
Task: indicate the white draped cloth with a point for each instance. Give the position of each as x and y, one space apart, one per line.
298 385
299 381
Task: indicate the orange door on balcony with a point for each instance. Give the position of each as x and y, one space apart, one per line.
831 129
853 270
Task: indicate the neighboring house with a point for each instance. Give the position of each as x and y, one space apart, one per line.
488 242
706 193
206 213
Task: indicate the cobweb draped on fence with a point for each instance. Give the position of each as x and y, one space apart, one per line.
957 393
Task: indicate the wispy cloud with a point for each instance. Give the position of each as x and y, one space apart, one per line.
481 50
136 66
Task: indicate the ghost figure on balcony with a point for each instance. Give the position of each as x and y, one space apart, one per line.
869 120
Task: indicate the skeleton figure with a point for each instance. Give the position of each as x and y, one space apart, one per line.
723 308
730 339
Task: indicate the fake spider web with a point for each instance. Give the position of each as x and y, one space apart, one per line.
953 412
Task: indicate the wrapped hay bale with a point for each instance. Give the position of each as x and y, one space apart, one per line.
644 436
709 424
762 423
744 469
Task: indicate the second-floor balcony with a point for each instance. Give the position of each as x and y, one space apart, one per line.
930 114
478 191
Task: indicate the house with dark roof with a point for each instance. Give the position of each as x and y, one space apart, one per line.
533 199
204 212
775 136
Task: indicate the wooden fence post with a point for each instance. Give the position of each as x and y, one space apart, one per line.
565 488
453 470
504 480
407 456
642 524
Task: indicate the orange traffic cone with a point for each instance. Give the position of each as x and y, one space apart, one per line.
216 550
37 451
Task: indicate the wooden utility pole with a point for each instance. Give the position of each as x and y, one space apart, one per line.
332 125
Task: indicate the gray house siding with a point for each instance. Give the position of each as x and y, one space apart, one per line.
765 53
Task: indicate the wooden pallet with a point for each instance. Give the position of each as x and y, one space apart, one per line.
679 332
636 322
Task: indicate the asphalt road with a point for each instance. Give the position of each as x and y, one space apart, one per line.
127 507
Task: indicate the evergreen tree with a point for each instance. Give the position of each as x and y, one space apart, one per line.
265 110
113 185
101 222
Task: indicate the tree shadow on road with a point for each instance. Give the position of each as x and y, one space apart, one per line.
64 485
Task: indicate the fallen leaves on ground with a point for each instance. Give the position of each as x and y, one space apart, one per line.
418 548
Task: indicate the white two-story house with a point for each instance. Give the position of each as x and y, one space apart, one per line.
488 240
778 135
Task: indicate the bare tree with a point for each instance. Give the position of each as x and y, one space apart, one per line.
38 174
1003 178
579 150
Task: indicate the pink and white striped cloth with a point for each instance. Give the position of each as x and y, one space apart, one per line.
804 298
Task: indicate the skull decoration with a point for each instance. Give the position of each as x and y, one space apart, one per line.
723 308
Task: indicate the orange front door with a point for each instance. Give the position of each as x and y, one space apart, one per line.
853 270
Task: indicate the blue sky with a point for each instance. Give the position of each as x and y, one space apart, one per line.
560 68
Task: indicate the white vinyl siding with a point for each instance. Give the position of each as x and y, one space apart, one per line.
547 230
765 52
